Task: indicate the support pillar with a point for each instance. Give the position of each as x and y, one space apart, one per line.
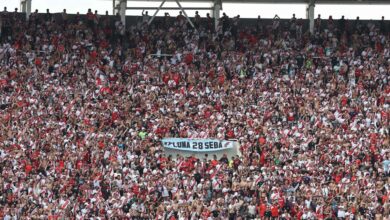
217 12
310 15
122 11
25 7
114 10
28 9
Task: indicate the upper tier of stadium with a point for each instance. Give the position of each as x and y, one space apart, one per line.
121 6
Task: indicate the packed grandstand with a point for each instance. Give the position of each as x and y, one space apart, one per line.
85 103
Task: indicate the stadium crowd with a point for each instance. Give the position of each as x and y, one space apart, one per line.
85 101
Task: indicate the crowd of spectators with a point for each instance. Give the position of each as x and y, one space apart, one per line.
85 101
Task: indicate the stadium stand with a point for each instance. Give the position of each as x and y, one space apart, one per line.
85 102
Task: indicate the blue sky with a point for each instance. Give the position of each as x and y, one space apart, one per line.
245 10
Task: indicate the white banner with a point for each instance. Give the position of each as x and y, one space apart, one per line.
197 145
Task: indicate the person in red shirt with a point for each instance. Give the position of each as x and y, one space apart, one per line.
275 211
262 159
166 78
214 162
79 164
61 164
230 134
28 169
114 116
207 113
94 55
281 202
221 79
188 59
344 101
162 161
299 214
262 140
176 78
218 107
262 209
38 61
